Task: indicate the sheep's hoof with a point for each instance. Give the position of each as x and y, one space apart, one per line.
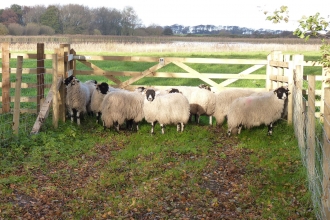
228 133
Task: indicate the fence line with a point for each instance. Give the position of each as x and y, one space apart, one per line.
310 117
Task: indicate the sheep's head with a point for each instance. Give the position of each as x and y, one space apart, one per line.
282 92
103 88
150 94
140 89
173 90
204 86
68 80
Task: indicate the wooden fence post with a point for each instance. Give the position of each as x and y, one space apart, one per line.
325 75
40 74
17 102
5 78
326 155
55 93
299 104
311 130
289 74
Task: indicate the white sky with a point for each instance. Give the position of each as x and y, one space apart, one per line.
241 13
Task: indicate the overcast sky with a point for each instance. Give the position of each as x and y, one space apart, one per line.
243 13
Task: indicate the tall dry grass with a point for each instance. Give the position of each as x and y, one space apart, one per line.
170 47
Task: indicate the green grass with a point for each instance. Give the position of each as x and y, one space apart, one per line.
87 172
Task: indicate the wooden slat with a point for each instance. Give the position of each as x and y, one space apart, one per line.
23 110
96 68
17 103
143 74
27 85
45 107
194 72
245 72
279 64
22 99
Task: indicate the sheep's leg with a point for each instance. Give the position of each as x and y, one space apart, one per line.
197 116
270 129
239 128
71 114
178 127
163 128
98 117
182 127
210 120
117 126
152 127
229 132
78 117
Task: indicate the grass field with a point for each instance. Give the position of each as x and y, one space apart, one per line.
87 172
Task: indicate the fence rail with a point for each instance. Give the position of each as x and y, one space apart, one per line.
308 107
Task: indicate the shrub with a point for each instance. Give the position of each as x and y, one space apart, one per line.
32 29
46 30
15 29
3 29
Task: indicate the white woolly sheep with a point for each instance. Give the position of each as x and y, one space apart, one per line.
78 98
223 100
202 101
120 106
172 108
97 97
255 110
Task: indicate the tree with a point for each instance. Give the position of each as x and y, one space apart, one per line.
129 21
313 25
8 16
51 18
18 10
33 14
154 29
75 19
107 21
167 31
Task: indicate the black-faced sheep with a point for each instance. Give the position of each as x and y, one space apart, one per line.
171 108
223 100
255 110
78 98
97 97
121 106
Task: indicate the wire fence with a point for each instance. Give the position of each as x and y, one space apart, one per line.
27 103
311 135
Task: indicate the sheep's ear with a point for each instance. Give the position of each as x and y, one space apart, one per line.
157 92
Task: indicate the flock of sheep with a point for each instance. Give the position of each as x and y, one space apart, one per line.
115 107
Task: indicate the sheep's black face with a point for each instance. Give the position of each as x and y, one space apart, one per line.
150 95
174 91
204 86
68 80
103 88
140 89
282 93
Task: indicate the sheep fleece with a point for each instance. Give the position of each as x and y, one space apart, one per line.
224 99
253 111
171 108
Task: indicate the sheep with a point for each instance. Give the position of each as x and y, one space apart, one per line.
202 101
120 106
77 98
171 108
255 110
97 97
223 100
